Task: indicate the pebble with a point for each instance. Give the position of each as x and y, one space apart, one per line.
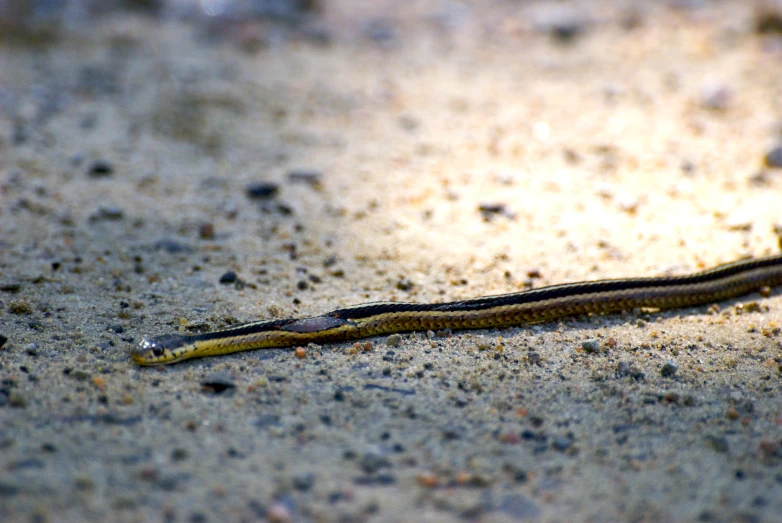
261 190
172 246
30 348
405 284
100 169
533 357
311 178
303 482
217 383
206 231
561 443
372 461
669 369
718 443
3 339
591 345
392 341
773 158
716 97
228 278
10 286
107 213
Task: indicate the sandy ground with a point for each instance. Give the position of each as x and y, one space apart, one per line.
615 139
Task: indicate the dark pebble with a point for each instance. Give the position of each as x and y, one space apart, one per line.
179 454
528 435
116 329
405 284
373 461
284 209
217 383
267 420
311 178
773 158
49 447
10 286
303 482
718 443
4 397
768 20
8 490
206 231
26 464
339 396
380 479
452 432
492 208
172 246
80 375
228 277
261 190
302 285
561 443
101 169
107 213
669 369
3 339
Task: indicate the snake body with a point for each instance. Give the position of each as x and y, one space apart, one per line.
527 307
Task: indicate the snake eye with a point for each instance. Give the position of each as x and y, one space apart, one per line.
157 351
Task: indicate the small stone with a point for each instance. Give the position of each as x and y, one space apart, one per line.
591 345
10 286
773 158
3 339
228 278
172 246
303 482
217 383
533 357
392 341
116 329
311 178
16 400
716 97
669 369
718 443
100 169
261 190
206 231
30 348
302 285
372 461
107 213
561 443
20 307
405 284
80 375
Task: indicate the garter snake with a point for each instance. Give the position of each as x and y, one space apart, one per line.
527 307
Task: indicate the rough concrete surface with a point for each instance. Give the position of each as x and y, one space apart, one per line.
433 151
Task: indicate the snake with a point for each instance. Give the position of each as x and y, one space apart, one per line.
540 305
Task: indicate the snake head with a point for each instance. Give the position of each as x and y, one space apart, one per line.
157 351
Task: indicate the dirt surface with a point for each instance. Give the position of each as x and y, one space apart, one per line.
443 151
